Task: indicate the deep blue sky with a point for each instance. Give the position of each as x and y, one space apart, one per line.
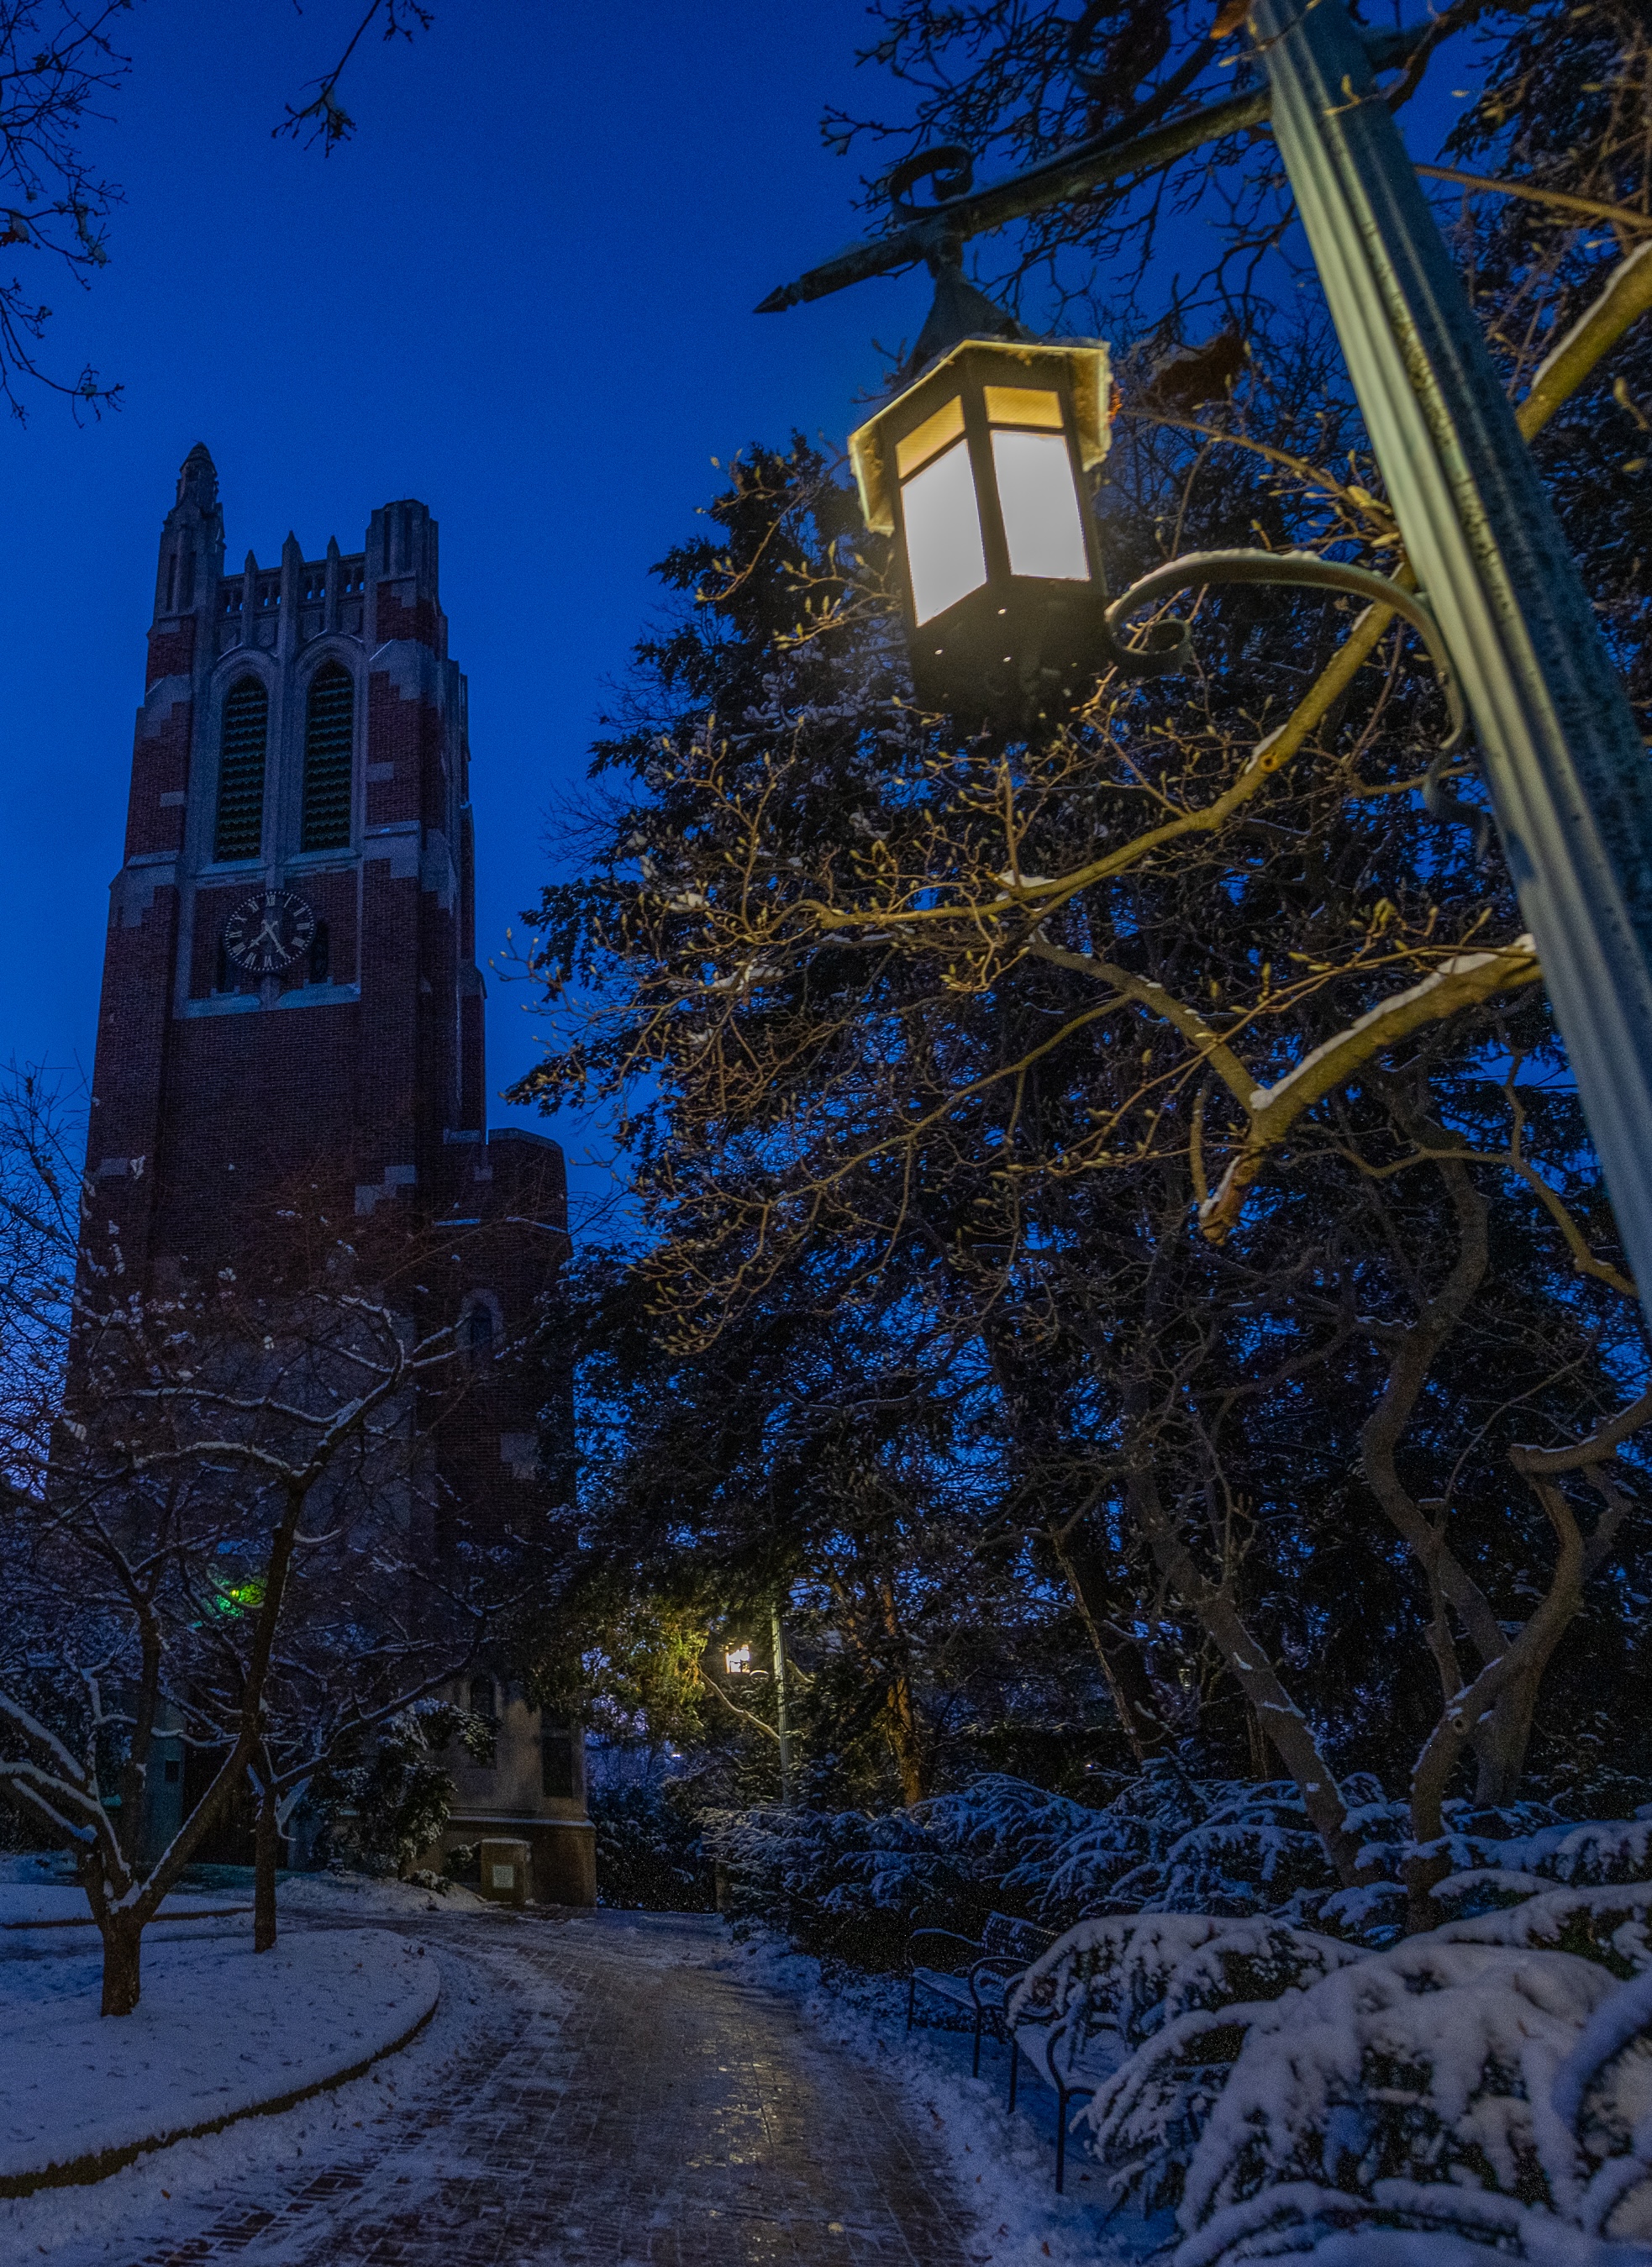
523 293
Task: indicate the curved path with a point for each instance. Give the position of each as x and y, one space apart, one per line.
616 2096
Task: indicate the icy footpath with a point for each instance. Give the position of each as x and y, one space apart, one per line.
219 2032
1004 2165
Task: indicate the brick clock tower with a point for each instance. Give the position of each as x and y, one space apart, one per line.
290 989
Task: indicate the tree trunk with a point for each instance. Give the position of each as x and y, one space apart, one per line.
133 1779
122 1956
900 1724
900 1715
1288 1731
266 1855
1512 1678
1123 1667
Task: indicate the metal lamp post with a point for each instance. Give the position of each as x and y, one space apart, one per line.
1567 769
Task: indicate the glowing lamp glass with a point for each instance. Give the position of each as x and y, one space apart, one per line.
737 1660
1043 531
944 554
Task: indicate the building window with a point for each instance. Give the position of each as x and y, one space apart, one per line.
477 1332
558 1778
321 955
329 735
240 827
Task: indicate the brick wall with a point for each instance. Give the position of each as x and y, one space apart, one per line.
213 1107
172 650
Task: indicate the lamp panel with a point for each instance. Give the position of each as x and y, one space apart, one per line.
1023 404
1042 527
945 556
928 439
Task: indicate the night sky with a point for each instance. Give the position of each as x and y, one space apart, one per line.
523 293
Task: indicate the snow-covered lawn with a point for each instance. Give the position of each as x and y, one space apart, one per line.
360 1896
219 2031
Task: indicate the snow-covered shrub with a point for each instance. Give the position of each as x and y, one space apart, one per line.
1609 1926
1083 1876
1372 1914
1144 2122
1164 1999
843 1883
1006 1828
1253 1852
1598 1852
1485 2092
858 1886
394 1800
1528 1844
648 1850
1169 1844
1131 1975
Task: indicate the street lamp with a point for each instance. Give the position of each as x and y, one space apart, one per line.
979 470
1568 776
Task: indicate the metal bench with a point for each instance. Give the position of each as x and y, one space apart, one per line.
1072 2074
974 1977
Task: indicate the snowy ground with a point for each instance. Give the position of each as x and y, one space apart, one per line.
116 2219
1004 2165
218 2031
34 1890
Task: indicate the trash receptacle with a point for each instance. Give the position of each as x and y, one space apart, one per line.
505 1871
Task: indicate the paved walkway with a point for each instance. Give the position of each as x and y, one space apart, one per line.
615 2104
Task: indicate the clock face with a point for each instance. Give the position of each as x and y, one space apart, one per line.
269 932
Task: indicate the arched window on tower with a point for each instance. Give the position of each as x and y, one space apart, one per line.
329 737
479 1331
239 832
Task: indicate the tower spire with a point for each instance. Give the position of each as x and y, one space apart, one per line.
191 540
198 479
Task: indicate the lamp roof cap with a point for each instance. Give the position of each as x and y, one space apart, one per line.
1088 372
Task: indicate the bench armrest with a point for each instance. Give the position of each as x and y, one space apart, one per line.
936 1936
1000 1968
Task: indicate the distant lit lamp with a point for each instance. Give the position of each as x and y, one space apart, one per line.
979 470
737 1660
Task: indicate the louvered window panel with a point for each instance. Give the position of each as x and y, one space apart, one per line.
328 733
240 827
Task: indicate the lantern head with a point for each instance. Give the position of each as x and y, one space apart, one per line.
978 472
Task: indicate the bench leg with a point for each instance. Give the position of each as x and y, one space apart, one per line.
1015 2068
1061 2141
975 2066
912 1993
